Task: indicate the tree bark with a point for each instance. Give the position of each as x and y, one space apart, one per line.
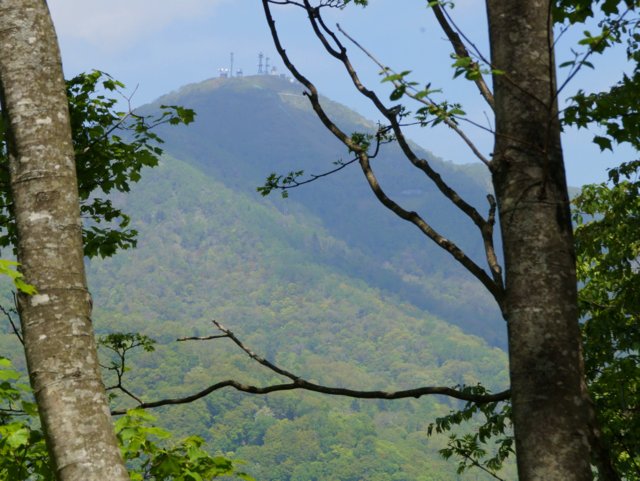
58 333
550 411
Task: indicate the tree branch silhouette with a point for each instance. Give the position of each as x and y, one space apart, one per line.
298 383
333 46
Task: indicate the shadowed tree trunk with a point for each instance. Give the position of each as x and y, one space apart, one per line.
56 323
540 304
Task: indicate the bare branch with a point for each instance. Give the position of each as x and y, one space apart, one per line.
335 391
494 286
120 387
290 180
201 338
253 355
487 236
16 329
300 383
461 50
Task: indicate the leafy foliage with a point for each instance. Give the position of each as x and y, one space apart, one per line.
608 247
473 449
111 148
23 454
184 461
148 450
613 111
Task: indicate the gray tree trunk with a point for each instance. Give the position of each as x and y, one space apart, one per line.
58 335
550 410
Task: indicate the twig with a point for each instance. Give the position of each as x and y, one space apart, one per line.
201 338
115 126
120 369
495 288
15 328
424 100
291 182
579 64
483 468
505 74
460 49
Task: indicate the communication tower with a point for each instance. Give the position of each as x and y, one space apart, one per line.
260 57
231 65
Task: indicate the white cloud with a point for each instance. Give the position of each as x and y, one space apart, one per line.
113 24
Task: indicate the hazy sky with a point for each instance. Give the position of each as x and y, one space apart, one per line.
160 45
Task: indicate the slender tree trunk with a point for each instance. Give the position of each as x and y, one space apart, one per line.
549 407
58 335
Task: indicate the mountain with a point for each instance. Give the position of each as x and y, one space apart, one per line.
249 127
326 284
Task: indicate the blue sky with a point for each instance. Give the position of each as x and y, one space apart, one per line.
161 45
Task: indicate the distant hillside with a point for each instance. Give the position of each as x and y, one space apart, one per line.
249 127
208 252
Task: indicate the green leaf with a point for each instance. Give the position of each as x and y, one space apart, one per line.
24 287
6 269
603 142
18 438
9 374
396 76
397 93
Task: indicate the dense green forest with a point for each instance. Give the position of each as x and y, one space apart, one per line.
300 285
249 127
210 253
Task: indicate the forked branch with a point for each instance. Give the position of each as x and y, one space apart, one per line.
492 282
298 383
425 100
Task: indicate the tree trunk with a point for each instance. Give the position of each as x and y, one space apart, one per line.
549 404
58 335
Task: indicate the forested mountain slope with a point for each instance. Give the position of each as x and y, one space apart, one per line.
207 252
249 127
